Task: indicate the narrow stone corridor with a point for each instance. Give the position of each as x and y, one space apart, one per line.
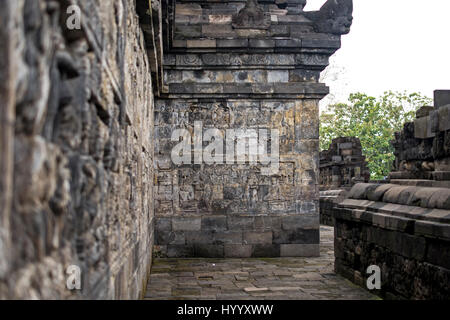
254 279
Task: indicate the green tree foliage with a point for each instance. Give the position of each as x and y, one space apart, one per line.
374 121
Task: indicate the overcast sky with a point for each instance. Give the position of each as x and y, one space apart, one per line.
393 45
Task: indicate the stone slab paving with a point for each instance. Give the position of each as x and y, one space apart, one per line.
254 279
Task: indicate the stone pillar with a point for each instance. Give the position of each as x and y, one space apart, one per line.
243 66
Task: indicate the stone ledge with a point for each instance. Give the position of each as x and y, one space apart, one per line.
413 255
355 207
312 59
397 218
430 198
248 88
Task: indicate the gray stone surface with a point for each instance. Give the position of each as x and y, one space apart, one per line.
244 65
76 151
403 227
441 98
402 232
328 200
87 177
413 255
343 165
255 279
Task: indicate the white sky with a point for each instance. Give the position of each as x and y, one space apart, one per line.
393 45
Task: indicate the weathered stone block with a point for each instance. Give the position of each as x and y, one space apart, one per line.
266 250
188 9
203 237
277 76
321 43
215 223
220 19
259 43
387 240
291 43
209 251
377 194
203 43
300 250
218 31
432 229
170 237
235 77
89 128
228 237
232 43
438 253
279 30
238 251
240 223
424 111
257 237
441 98
296 236
300 221
180 251
188 31
360 190
163 224
186 223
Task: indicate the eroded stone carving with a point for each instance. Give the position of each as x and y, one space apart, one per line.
334 17
296 7
252 16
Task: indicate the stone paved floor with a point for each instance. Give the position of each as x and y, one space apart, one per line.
243 279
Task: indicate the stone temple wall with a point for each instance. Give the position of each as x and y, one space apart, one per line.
242 65
76 150
403 227
87 123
